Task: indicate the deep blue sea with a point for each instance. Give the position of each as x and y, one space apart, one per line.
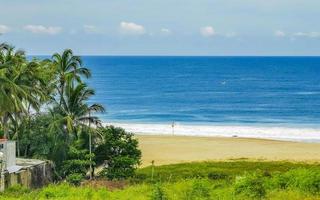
207 90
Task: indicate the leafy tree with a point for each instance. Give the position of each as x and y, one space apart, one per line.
77 162
35 139
118 151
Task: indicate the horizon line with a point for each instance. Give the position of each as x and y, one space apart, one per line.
159 55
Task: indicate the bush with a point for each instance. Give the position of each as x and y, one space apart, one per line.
75 179
251 185
120 169
279 181
75 166
78 162
158 193
118 152
306 180
200 189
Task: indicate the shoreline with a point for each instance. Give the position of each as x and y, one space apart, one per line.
271 132
165 149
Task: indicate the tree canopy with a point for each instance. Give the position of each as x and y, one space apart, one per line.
44 107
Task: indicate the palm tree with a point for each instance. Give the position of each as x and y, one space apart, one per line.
68 68
75 111
36 74
15 91
23 86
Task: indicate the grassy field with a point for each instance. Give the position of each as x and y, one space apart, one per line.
204 180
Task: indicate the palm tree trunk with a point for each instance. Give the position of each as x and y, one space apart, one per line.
90 147
61 91
4 125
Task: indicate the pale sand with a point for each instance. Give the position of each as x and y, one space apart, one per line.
164 149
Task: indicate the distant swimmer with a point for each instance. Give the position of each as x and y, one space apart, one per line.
223 82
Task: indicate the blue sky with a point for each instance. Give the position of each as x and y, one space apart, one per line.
163 27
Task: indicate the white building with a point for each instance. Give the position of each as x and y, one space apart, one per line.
8 156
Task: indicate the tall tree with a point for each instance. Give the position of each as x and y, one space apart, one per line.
75 110
68 69
15 88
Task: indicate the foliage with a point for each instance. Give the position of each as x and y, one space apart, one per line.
251 185
200 189
1 133
158 193
78 162
305 180
75 179
186 187
56 86
23 86
118 151
35 140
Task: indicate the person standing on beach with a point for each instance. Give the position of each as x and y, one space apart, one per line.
172 125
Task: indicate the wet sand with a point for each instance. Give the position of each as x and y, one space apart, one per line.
164 149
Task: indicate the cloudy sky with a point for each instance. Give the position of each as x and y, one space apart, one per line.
163 27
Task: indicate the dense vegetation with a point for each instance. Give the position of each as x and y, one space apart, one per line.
44 107
205 180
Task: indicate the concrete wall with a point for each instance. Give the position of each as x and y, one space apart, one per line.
31 177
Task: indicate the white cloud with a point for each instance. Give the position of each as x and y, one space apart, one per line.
132 28
307 34
90 29
165 31
207 31
51 30
279 33
4 29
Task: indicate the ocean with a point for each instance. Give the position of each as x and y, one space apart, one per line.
268 97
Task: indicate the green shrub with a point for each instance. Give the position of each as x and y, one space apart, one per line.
278 181
119 152
75 179
251 185
75 166
78 162
158 193
200 189
120 169
306 180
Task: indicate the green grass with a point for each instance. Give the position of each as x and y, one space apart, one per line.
199 181
230 169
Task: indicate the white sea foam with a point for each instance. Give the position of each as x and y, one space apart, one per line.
265 132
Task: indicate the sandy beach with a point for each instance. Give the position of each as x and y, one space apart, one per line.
164 149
